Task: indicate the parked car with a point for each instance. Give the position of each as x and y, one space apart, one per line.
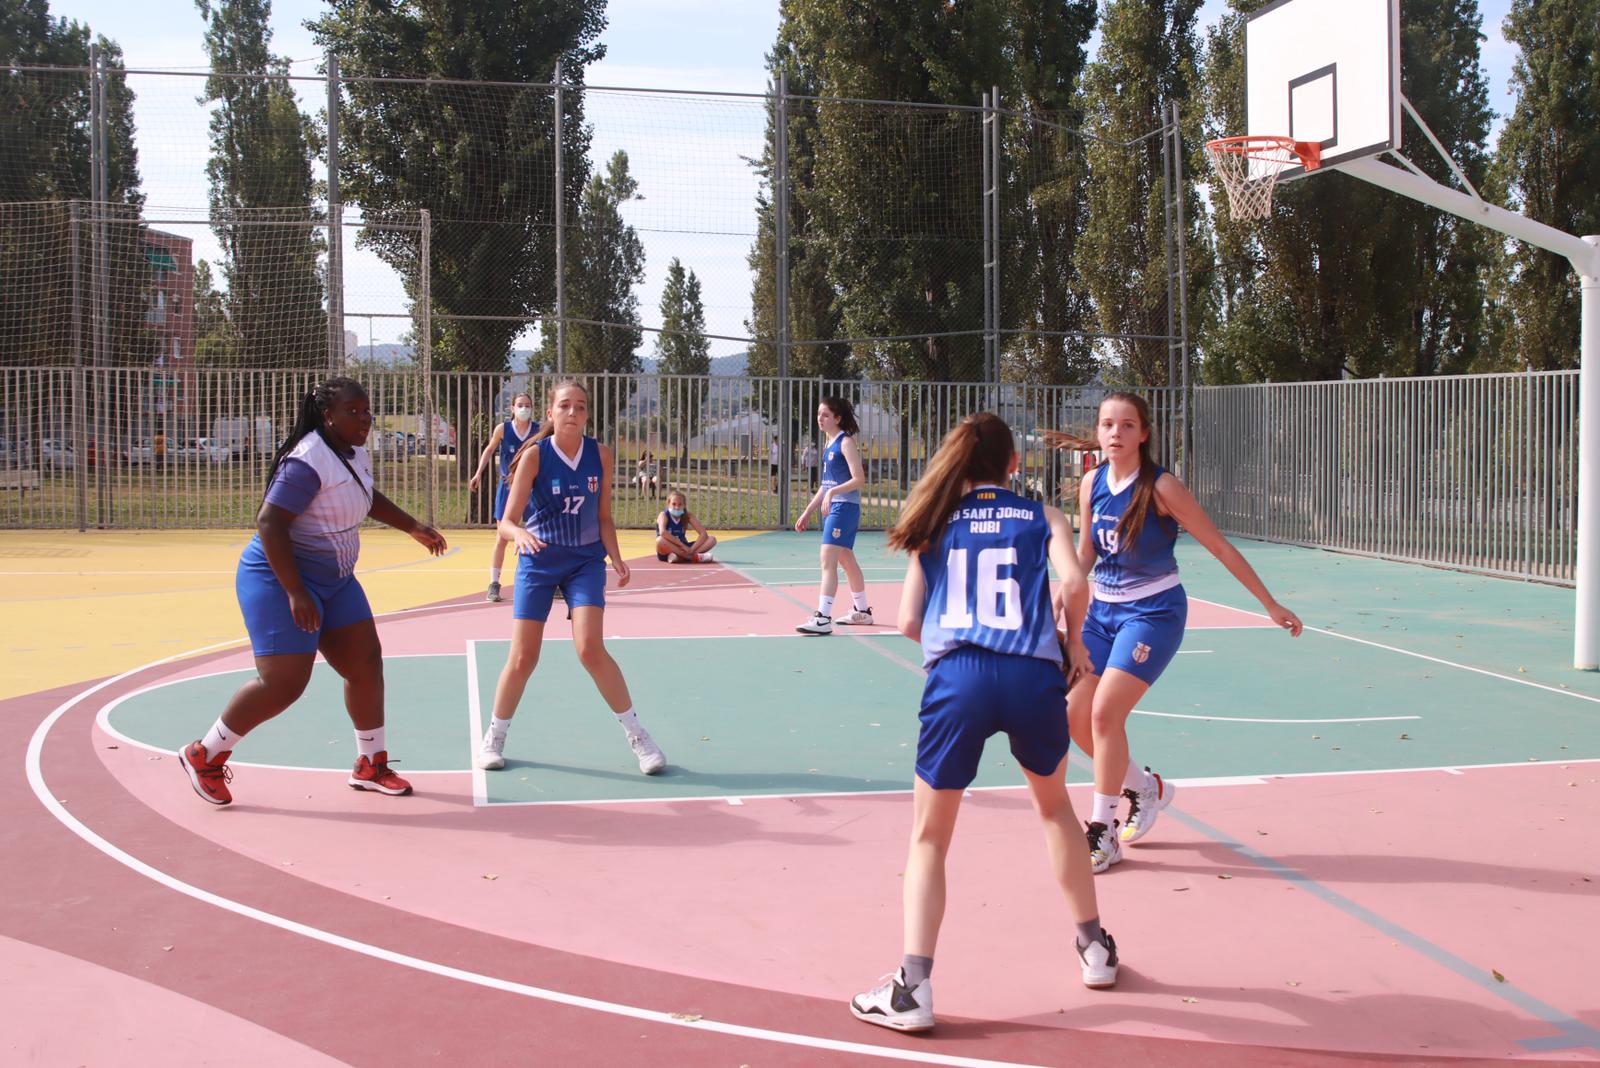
142 451
204 450
56 454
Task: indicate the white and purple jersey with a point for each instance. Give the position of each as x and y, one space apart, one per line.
988 579
564 507
329 497
836 470
1129 572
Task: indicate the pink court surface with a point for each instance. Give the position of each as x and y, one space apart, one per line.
1382 849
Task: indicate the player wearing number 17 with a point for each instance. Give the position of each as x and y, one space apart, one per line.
558 515
977 596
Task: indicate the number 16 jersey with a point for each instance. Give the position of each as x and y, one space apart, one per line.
564 507
988 579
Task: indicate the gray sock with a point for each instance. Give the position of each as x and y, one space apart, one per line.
1089 933
917 969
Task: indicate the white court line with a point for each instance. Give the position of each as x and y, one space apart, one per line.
1251 719
102 720
1195 652
475 727
667 1019
1423 656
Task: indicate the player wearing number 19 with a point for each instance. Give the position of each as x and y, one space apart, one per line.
977 596
558 514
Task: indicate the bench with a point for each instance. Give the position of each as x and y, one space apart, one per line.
20 480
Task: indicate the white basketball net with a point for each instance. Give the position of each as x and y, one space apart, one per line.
1249 169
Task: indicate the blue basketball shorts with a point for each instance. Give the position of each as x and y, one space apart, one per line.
265 606
580 574
1140 637
841 523
972 693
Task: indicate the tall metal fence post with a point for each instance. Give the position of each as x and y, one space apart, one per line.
79 400
561 229
994 232
1183 295
425 353
100 283
986 190
780 232
335 227
1167 188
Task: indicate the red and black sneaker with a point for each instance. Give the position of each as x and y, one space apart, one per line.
207 774
374 774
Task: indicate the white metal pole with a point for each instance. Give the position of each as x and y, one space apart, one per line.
1586 633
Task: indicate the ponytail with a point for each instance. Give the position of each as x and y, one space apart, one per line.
312 417
977 449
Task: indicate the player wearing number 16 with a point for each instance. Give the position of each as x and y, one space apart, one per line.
977 597
558 515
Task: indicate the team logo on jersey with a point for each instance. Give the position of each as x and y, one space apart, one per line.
836 532
1141 653
555 486
986 495
594 483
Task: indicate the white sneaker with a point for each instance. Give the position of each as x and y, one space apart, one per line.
492 752
703 558
817 624
651 758
1099 963
860 617
1104 847
1145 805
892 1005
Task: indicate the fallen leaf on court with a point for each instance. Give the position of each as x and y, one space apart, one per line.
1405 737
1224 876
1523 670
1294 982
1179 889
166 949
1337 748
1262 833
112 747
705 737
491 878
688 1017
386 897
1191 1001
1497 976
1316 737
1572 784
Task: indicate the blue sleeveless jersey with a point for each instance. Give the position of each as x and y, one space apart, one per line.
510 443
988 579
565 502
1129 572
675 527
836 470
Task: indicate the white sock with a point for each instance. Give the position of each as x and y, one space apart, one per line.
219 739
825 606
494 574
1137 778
370 743
498 726
1105 809
859 600
630 722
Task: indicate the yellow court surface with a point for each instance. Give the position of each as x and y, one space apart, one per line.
84 606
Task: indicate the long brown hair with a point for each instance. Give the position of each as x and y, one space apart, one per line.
1144 490
977 449
547 426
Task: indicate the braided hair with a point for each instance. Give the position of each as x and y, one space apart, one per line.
312 418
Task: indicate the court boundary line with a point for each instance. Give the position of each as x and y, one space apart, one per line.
480 778
1420 656
35 774
1257 719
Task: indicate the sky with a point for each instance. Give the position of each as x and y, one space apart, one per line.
685 152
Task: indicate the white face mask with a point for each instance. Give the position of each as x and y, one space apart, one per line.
523 412
676 513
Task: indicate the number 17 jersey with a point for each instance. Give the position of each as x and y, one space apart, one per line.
564 507
988 579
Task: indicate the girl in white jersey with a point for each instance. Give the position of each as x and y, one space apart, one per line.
558 514
977 598
507 438
1130 511
299 595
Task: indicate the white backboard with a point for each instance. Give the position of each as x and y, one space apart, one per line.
1326 71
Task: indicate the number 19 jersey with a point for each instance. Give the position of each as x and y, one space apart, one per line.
564 507
988 579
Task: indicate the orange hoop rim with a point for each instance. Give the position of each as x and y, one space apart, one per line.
1261 146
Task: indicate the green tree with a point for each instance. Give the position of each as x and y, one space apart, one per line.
1346 277
479 158
1147 61
1548 162
604 262
214 342
682 349
261 149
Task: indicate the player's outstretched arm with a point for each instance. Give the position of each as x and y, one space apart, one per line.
1176 500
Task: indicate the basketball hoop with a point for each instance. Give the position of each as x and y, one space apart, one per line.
1249 169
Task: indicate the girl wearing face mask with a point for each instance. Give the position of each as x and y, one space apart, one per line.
506 440
673 527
